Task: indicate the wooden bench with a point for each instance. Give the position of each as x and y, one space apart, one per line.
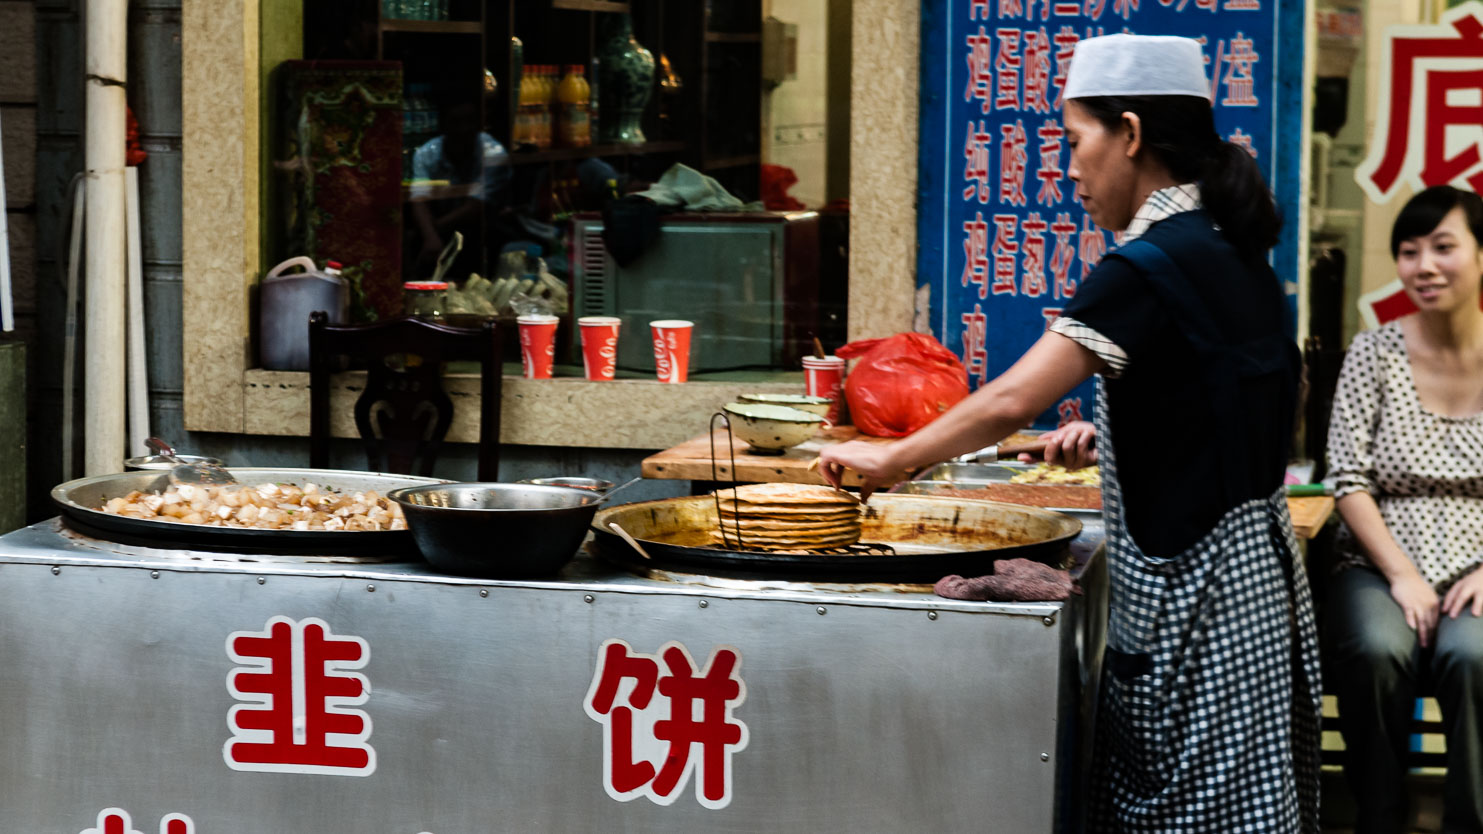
1428 750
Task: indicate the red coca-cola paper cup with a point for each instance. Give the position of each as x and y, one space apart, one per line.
537 345
824 377
599 345
672 349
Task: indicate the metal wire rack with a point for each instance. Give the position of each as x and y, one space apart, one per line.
858 548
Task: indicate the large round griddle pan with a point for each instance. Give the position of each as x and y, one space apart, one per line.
933 537
79 502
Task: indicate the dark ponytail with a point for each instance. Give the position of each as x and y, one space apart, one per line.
1180 133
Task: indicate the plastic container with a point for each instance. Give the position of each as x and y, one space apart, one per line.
285 301
572 97
424 299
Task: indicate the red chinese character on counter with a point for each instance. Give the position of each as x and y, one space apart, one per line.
1007 64
978 9
1070 411
1240 85
1012 159
1006 246
1093 9
1037 71
652 738
975 341
976 166
1065 41
1012 8
1092 245
1050 314
1124 7
1244 140
976 253
1064 254
1243 5
116 821
980 68
297 690
1033 264
1050 172
1433 81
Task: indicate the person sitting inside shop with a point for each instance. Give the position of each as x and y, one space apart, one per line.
463 155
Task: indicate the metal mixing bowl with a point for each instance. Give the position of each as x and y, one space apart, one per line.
577 481
497 531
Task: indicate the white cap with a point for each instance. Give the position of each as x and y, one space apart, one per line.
1137 65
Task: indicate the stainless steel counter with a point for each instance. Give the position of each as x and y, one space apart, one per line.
281 694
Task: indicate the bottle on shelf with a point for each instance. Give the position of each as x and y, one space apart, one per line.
594 114
572 97
548 100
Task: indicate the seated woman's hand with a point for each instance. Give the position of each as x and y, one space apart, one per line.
872 460
1420 604
1467 590
1072 446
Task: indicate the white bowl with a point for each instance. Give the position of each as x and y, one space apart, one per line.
769 429
802 402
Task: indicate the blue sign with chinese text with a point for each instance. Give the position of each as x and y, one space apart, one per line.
1003 242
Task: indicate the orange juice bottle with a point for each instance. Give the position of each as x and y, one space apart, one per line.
572 97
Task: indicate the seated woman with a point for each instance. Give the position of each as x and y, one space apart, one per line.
1406 449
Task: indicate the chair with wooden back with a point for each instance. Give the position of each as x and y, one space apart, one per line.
403 414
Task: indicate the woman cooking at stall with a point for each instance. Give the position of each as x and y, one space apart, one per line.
1210 709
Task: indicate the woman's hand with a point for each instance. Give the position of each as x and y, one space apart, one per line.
1070 445
872 460
1468 589
1419 603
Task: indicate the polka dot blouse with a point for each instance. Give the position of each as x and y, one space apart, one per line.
1424 470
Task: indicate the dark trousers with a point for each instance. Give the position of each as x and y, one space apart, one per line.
1373 663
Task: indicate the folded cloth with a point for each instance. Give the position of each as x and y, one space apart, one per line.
1013 580
683 187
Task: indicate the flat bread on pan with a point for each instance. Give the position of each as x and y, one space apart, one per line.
788 495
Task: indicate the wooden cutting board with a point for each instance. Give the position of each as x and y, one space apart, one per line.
691 460
1309 514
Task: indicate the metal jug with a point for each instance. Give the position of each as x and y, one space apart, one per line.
285 302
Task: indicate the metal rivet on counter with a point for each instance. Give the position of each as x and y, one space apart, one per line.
55 570
931 615
587 598
154 574
1045 757
371 589
262 580
1050 621
483 592
705 603
822 610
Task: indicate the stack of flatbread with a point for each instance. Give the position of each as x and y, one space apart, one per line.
788 517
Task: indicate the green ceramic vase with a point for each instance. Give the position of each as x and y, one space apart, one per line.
627 83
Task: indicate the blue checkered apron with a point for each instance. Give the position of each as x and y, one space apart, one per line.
1209 713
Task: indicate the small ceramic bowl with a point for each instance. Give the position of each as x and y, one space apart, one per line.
802 402
769 429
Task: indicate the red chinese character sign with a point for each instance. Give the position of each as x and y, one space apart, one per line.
665 720
117 821
297 690
1003 241
1429 129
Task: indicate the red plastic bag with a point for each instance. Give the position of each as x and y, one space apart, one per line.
901 383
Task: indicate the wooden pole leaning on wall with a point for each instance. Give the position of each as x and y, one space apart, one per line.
106 68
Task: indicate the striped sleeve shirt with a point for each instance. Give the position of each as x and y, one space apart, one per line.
1166 202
